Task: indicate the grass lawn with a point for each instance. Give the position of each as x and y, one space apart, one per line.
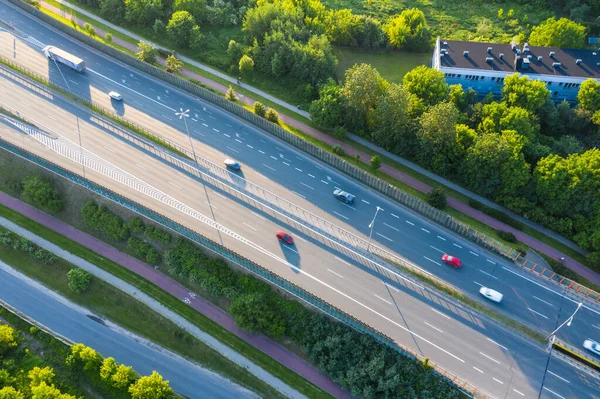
107 301
392 66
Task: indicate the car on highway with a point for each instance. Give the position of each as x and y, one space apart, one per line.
230 163
285 237
115 96
491 294
452 261
343 196
592 346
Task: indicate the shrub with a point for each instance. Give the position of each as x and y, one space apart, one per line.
41 194
230 95
339 133
376 162
44 256
5 238
152 257
157 235
22 244
8 338
101 219
13 188
136 225
507 236
338 150
260 109
79 280
437 198
108 38
140 248
272 116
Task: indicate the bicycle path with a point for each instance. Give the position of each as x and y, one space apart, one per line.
386 169
261 342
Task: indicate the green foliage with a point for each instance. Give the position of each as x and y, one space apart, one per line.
339 133
9 392
79 280
254 312
38 375
101 219
363 86
147 52
85 357
507 236
409 31
437 198
173 64
159 28
391 128
230 95
8 338
108 38
427 84
589 95
375 162
438 149
338 150
45 391
151 387
246 64
41 194
328 109
520 91
260 109
563 33
272 116
157 235
152 257
179 28
136 225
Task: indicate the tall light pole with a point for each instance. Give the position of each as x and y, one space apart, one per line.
552 336
183 115
371 225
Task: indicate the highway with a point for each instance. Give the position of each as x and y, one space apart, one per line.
72 322
474 348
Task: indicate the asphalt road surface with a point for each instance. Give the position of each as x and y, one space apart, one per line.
57 314
288 173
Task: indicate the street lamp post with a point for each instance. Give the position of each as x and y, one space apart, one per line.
552 336
371 225
183 115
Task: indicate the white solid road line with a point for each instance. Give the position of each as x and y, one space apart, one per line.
537 313
426 231
494 342
456 245
391 227
478 370
551 391
497 380
520 393
440 313
489 357
558 376
494 277
439 250
435 328
441 238
337 274
547 303
431 260
339 214
306 185
411 223
387 238
384 300
473 253
247 225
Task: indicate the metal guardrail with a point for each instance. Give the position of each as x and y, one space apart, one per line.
247 264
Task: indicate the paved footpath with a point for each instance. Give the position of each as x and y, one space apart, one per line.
261 342
409 180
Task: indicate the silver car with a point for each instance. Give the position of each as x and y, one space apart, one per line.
115 96
592 346
491 294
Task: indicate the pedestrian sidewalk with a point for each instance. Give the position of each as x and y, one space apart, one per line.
261 342
390 171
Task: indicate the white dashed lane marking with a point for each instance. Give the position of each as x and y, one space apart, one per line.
331 271
426 231
381 235
391 227
431 260
411 223
456 245
537 313
473 253
441 238
384 300
340 215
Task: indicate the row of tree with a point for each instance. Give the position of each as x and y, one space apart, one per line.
523 151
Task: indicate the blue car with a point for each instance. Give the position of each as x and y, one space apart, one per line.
343 196
230 163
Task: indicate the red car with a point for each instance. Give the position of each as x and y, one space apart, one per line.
285 237
452 261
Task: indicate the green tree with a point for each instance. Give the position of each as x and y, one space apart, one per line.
179 28
45 391
465 136
159 28
497 117
147 52
10 393
8 338
437 198
151 387
563 33
79 280
260 109
409 31
173 64
113 10
567 145
340 133
41 194
363 86
38 375
254 312
589 95
427 84
123 377
272 116
375 162
230 95
86 356
246 64
520 91
327 110
197 8
108 368
196 39
108 38
341 26
391 118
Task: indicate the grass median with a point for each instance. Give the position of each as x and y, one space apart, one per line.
128 320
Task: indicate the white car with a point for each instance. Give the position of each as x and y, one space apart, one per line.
115 96
592 346
491 294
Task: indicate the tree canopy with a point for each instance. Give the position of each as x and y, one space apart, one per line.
427 84
562 33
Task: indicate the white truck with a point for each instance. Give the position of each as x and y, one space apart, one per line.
58 55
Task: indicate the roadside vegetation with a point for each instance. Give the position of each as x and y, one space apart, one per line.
34 364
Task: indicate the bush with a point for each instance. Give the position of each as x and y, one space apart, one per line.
437 198
108 38
44 256
230 95
272 116
338 150
41 194
153 257
507 236
8 338
101 219
339 133
140 248
375 162
13 188
136 225
79 280
260 109
157 235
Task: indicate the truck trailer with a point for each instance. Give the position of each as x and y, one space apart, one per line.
58 55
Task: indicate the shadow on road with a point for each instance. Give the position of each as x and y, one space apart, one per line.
291 254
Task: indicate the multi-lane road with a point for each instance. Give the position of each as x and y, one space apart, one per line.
292 175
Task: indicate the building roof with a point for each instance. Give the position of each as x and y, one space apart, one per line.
588 67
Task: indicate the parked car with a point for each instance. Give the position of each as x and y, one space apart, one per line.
115 96
230 163
343 196
491 294
592 346
285 237
452 261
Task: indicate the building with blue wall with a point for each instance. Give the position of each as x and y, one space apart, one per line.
484 66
